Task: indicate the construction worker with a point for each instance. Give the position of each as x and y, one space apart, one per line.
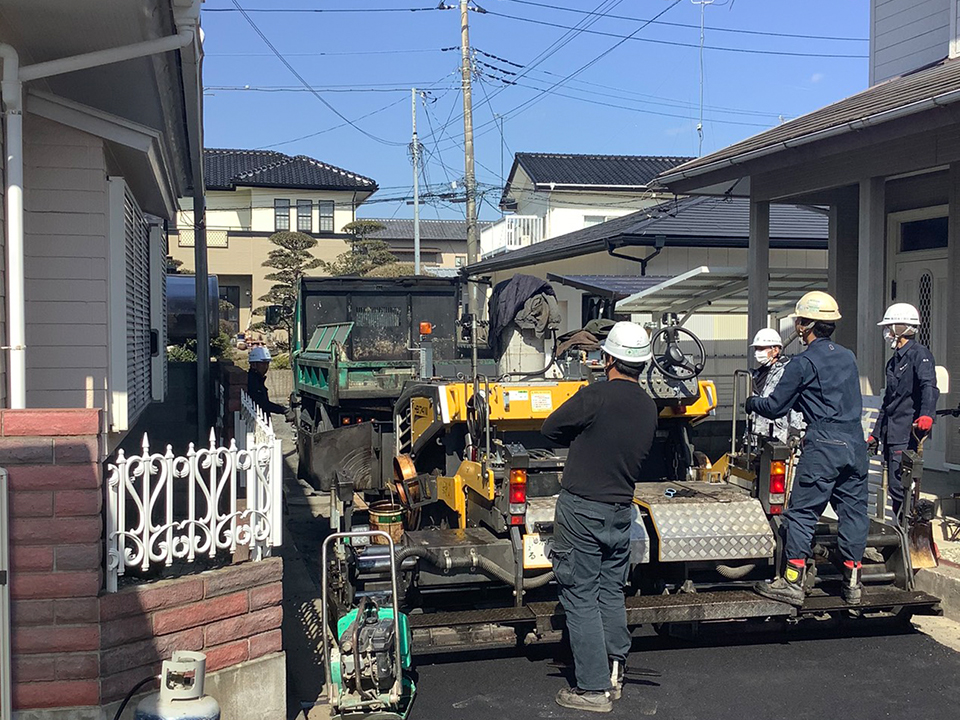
823 383
768 353
609 428
910 398
259 359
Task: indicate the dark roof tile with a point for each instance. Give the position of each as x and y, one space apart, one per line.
627 171
402 229
227 169
689 222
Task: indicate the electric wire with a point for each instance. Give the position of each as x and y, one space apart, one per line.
303 82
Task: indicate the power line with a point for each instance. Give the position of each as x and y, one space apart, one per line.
334 127
324 54
303 82
749 51
322 10
740 31
527 103
297 89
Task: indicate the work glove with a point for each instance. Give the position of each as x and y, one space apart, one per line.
924 423
873 445
750 405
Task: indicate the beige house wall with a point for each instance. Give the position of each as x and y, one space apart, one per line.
3 277
65 176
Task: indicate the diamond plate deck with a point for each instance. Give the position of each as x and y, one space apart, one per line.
711 522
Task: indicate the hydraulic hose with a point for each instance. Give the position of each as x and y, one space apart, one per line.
736 572
487 566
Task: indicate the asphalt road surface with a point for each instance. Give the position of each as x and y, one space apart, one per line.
817 671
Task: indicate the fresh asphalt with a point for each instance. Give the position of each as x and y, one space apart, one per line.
818 670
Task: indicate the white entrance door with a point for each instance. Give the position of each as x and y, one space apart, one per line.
923 283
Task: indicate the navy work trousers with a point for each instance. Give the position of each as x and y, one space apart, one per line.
591 559
832 469
893 456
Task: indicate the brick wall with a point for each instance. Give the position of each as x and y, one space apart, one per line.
72 645
232 380
53 458
232 614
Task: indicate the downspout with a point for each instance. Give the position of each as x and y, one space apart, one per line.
11 94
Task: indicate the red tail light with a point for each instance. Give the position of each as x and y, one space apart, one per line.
778 477
518 487
776 509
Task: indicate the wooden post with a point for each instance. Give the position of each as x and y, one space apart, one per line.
870 284
758 269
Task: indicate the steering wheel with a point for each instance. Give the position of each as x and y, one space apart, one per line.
670 358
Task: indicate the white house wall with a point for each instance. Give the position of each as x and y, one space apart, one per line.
907 34
65 251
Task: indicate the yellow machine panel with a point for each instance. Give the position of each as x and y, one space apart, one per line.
421 416
705 404
450 493
451 490
515 406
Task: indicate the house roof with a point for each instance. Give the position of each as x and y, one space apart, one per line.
906 95
227 169
402 229
688 222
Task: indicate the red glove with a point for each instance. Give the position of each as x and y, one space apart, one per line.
924 423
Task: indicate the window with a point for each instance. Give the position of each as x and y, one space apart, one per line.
925 293
929 234
591 220
325 209
230 309
460 261
281 214
304 215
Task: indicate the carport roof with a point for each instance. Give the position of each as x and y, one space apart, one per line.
722 290
615 286
902 96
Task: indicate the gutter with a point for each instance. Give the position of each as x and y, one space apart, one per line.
942 100
11 96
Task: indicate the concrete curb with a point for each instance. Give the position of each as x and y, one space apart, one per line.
943 582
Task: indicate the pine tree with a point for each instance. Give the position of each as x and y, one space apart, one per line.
290 260
364 254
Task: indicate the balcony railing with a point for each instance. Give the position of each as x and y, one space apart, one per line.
510 233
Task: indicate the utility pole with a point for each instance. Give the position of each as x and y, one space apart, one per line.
469 174
415 153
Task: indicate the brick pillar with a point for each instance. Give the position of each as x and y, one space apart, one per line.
54 461
233 380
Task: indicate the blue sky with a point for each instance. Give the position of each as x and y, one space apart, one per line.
639 98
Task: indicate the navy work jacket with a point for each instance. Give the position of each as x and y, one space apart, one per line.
911 392
823 383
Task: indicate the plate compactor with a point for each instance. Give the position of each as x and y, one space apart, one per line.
368 661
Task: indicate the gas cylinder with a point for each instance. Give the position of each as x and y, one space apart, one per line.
181 691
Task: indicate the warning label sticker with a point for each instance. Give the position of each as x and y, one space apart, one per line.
541 402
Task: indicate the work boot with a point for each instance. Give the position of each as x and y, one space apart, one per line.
616 678
852 588
788 587
589 700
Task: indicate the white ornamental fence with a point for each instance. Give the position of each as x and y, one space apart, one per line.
164 508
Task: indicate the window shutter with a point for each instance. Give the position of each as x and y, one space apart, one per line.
158 309
139 359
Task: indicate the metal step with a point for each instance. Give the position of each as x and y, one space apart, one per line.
873 600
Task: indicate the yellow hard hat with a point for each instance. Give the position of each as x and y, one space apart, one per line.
817 305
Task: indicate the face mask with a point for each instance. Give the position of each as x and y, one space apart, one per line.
891 338
762 357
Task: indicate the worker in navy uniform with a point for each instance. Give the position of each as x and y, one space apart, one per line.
823 383
609 428
910 398
259 359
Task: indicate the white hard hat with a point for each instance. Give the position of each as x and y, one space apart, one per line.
628 342
900 314
817 305
768 337
259 354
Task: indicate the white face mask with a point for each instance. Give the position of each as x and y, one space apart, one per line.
763 358
891 338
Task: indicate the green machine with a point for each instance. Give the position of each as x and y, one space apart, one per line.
366 655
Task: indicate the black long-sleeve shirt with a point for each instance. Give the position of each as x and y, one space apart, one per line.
257 390
609 428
